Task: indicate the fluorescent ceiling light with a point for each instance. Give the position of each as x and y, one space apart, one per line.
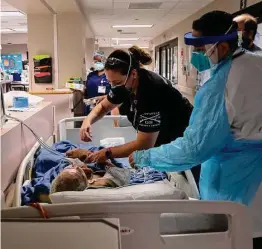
123 45
6 30
133 26
11 13
21 30
125 39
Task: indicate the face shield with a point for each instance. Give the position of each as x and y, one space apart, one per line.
204 49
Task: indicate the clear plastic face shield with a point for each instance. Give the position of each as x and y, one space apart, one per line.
204 49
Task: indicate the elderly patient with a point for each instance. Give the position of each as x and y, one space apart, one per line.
78 177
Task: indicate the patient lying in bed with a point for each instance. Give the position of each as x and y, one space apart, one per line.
79 177
51 173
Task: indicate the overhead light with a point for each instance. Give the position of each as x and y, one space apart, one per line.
133 26
11 13
144 47
123 45
6 30
125 39
21 30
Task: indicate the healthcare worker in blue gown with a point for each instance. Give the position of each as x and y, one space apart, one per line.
96 84
225 129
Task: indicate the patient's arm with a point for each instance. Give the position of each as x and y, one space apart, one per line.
81 154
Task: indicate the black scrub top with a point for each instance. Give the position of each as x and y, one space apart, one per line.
157 106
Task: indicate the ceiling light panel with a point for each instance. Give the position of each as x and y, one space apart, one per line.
11 13
7 31
133 26
21 30
125 39
144 6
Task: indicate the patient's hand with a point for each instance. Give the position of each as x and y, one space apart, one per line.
81 154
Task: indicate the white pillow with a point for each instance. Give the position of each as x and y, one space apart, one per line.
162 190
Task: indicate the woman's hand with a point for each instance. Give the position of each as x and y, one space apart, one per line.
98 157
85 132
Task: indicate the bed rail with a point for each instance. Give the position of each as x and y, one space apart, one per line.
26 163
142 218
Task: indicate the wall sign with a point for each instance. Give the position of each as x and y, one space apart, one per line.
11 63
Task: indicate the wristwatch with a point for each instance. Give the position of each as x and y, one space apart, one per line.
109 153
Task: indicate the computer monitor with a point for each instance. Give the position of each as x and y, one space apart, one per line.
66 234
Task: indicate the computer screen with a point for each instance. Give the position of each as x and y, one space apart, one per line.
57 234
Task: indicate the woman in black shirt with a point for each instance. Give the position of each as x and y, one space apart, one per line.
155 108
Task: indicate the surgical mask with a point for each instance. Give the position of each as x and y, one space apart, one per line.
200 61
99 66
119 93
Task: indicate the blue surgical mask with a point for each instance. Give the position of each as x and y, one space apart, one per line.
99 66
200 61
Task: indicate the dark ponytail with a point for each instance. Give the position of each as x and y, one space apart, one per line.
119 60
140 55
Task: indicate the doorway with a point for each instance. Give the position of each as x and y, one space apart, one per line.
167 60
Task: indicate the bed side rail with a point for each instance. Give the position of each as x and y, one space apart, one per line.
28 161
142 212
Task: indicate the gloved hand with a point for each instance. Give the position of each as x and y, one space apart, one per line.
81 154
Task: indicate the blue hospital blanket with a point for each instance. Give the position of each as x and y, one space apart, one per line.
48 165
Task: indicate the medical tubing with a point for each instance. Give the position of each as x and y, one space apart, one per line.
43 144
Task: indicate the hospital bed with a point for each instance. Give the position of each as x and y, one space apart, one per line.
151 215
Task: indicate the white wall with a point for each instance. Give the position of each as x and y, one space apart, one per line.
107 50
15 49
19 38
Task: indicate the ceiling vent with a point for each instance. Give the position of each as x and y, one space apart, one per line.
144 6
23 23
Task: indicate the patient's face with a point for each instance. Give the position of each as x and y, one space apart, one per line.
80 171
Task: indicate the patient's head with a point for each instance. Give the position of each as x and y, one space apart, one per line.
73 178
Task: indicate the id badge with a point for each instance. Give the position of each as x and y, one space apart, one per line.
102 89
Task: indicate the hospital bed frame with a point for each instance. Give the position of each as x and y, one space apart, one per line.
139 222
103 129
141 216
